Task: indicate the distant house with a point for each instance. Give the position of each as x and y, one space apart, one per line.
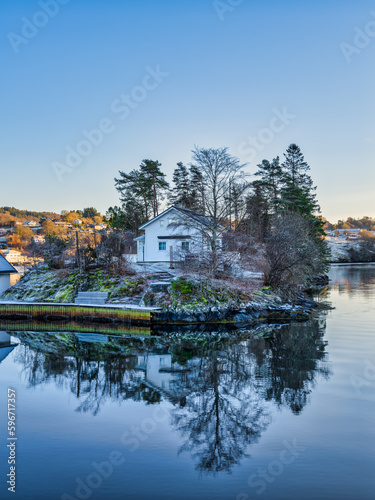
34 226
172 235
31 223
59 223
14 256
6 270
39 240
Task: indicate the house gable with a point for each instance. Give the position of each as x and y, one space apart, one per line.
169 235
5 266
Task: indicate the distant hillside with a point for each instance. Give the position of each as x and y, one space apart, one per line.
26 214
365 223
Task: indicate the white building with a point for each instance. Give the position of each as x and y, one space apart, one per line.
6 270
33 225
14 256
172 235
39 240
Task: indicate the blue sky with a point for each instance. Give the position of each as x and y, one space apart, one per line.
225 71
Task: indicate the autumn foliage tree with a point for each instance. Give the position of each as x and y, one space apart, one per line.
21 237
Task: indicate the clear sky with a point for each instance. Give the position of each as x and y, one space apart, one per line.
160 76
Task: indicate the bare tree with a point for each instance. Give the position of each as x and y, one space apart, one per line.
220 173
221 176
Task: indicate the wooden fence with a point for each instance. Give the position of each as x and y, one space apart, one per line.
61 313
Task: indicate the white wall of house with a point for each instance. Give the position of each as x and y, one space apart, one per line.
158 249
4 282
141 250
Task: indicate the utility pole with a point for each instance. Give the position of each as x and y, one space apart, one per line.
230 206
78 255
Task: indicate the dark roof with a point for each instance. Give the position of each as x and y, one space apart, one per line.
5 266
174 237
202 219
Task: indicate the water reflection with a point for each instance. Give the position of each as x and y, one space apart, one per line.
222 391
6 345
353 279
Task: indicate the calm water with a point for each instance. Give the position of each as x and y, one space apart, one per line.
287 417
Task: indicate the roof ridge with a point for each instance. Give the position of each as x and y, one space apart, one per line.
5 266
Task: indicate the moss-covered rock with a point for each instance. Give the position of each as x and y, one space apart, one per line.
42 284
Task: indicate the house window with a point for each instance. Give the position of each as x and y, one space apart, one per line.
161 223
173 221
185 245
162 245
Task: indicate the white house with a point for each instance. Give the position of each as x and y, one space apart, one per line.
14 256
6 269
172 235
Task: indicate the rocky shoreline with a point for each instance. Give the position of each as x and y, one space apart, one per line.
180 301
270 310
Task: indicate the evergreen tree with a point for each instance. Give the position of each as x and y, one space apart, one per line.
197 189
298 193
258 212
90 213
144 187
188 189
237 205
154 182
295 167
181 192
129 217
271 178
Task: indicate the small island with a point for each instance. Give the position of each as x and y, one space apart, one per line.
227 249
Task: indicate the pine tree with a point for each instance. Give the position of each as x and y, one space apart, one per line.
154 181
271 178
181 194
145 186
295 167
188 189
298 193
197 189
258 212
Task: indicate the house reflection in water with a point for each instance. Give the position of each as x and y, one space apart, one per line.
165 376
6 345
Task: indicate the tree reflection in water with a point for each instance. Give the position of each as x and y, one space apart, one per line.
222 392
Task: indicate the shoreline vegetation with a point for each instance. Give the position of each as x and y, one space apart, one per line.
181 301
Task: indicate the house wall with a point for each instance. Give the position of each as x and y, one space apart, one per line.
152 252
140 250
4 282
